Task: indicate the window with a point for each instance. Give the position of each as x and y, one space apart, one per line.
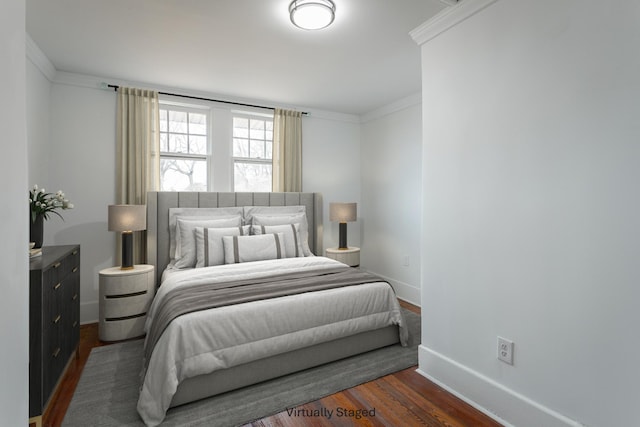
252 145
183 148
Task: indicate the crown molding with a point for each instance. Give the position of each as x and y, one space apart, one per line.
447 19
394 107
38 58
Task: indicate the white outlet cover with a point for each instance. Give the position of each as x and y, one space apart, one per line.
505 350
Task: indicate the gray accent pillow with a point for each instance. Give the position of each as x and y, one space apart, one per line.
196 213
291 233
282 219
209 246
253 248
185 256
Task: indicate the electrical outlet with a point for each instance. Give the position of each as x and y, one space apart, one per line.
405 261
505 350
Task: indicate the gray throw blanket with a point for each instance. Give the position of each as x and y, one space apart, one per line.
211 295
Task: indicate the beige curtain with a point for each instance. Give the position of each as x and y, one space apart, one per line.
287 150
137 155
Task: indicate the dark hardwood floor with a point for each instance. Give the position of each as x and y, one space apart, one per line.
404 398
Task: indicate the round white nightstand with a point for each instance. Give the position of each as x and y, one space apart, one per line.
125 296
349 256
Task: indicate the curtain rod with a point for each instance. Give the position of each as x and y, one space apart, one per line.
116 87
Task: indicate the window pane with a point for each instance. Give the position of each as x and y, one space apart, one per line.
178 121
178 143
197 123
164 142
240 127
163 120
252 177
256 149
257 129
183 175
269 148
240 147
197 144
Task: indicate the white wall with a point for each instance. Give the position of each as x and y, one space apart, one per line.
81 162
531 210
39 124
331 166
14 279
391 209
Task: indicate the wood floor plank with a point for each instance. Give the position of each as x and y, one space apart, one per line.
390 411
404 398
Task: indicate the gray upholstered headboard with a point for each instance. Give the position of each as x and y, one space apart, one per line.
159 202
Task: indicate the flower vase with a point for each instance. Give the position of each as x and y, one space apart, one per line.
36 230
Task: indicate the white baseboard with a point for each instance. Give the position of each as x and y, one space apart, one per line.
488 396
89 312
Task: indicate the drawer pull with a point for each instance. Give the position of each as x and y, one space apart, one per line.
56 265
57 319
75 252
75 297
74 269
75 323
56 353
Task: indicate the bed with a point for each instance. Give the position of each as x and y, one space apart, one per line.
303 310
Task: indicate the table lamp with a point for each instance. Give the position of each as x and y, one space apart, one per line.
343 213
127 219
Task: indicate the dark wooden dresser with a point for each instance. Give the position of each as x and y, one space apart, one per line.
54 320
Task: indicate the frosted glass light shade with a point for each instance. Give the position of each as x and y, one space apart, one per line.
343 212
127 217
312 14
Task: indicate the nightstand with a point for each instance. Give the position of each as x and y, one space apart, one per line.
349 256
125 296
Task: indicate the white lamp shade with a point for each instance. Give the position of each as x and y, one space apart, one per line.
127 217
343 212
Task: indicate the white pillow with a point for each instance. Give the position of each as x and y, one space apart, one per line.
209 246
250 211
253 248
186 239
299 218
291 232
196 213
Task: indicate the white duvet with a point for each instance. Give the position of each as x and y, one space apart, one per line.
202 342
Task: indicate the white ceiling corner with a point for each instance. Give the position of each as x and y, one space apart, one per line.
39 59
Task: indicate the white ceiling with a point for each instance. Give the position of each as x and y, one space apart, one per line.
241 48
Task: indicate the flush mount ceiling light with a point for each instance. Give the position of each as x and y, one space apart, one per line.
312 14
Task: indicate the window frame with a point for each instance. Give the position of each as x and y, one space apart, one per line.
250 115
207 157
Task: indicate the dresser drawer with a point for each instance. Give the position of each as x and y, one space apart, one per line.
132 305
115 286
122 329
53 354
